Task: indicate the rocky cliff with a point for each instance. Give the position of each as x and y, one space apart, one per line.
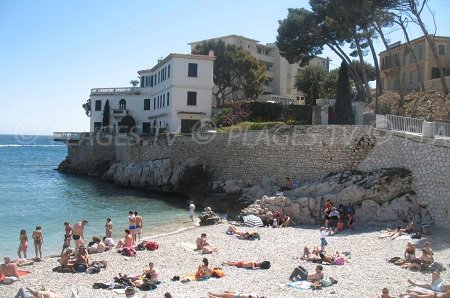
379 196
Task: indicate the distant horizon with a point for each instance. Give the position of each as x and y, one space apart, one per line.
55 52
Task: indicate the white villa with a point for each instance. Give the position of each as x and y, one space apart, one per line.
173 95
280 84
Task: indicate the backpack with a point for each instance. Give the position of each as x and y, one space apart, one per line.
128 251
151 246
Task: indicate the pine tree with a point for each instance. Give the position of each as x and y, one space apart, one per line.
343 108
105 121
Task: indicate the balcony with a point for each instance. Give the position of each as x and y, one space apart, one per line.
118 91
391 66
119 112
68 137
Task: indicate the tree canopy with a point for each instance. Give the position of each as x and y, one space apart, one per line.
236 72
343 107
87 107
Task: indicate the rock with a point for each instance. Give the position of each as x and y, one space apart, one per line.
234 186
367 212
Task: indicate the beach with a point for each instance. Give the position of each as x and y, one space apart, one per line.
366 273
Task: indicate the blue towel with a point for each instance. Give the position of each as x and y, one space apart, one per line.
300 285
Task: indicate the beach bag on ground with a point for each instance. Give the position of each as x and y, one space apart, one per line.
151 245
128 251
394 259
140 246
339 261
416 235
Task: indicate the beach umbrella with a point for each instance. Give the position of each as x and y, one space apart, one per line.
253 221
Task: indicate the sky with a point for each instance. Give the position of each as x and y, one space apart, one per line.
53 52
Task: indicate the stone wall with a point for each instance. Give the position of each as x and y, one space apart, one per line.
427 159
304 152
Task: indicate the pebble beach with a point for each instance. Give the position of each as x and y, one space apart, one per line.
364 275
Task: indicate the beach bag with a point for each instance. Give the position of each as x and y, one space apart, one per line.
339 261
218 273
129 252
151 246
140 246
394 259
416 235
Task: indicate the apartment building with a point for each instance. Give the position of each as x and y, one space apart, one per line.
399 72
173 95
280 83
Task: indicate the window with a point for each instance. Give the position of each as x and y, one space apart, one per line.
97 126
419 51
151 81
157 102
164 100
168 93
146 127
441 49
123 104
192 70
168 71
191 98
154 103
147 104
98 105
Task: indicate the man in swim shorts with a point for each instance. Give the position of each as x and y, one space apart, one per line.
77 234
139 225
132 223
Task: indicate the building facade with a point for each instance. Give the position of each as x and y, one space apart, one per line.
280 83
173 96
399 71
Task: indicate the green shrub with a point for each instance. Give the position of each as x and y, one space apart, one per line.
251 126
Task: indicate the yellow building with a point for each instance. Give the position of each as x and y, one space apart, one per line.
399 72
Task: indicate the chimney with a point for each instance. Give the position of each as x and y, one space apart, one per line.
211 53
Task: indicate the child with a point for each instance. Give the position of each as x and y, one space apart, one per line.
66 243
323 241
23 244
385 293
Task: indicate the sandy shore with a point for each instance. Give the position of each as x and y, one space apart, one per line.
364 276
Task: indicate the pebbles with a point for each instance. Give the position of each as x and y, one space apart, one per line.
364 276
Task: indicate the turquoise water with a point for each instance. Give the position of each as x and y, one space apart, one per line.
33 193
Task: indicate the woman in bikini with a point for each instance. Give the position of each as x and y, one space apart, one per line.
203 271
421 263
228 294
410 252
23 244
38 240
248 265
437 284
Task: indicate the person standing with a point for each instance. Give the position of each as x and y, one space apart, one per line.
323 241
67 229
131 222
191 210
108 228
23 244
38 241
77 234
139 221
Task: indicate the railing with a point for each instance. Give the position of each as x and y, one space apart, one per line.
441 130
67 136
119 112
406 124
121 90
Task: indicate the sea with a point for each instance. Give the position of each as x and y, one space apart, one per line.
33 193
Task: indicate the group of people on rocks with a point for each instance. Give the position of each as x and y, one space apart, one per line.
337 219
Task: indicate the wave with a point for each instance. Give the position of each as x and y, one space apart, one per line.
18 145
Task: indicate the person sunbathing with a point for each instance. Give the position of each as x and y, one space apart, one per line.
421 263
327 258
437 283
128 240
36 293
65 260
301 272
427 246
410 227
311 255
324 282
228 294
248 265
410 252
151 272
392 234
422 294
203 245
385 293
203 271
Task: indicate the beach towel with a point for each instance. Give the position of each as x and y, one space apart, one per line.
189 246
403 237
420 289
303 285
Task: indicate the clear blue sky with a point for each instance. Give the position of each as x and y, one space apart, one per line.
53 52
